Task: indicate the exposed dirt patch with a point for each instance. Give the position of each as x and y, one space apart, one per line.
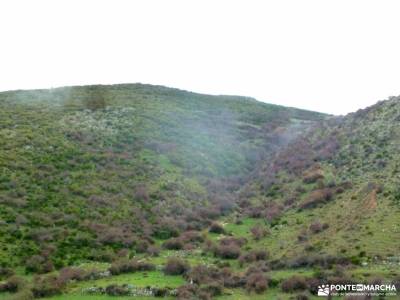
371 202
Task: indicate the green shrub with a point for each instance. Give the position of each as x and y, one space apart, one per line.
256 282
294 283
176 266
130 266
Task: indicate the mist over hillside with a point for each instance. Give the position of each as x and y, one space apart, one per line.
104 186
101 155
343 174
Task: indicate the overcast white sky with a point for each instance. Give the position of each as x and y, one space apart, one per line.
330 56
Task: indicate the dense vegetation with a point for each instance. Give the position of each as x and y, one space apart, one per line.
336 189
145 191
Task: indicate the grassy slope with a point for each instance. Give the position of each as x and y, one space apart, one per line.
363 219
168 135
64 161
86 171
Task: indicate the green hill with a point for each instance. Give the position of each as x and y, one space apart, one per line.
93 169
139 191
335 190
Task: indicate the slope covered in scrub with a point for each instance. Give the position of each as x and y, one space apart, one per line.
138 191
335 190
88 171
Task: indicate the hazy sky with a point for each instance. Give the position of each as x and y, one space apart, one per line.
330 56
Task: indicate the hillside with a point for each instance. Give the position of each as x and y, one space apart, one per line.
88 171
335 190
139 191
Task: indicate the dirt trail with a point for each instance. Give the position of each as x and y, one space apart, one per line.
371 201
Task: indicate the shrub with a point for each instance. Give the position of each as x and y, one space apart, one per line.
294 283
312 176
6 272
142 246
260 267
190 246
273 211
102 255
216 228
161 292
115 236
165 229
25 294
70 273
203 294
256 282
227 251
290 201
317 227
214 288
235 281
176 266
153 251
239 242
141 194
315 282
254 212
117 290
203 274
208 213
260 254
38 264
339 190
173 244
123 253
302 237
130 266
192 236
12 285
186 292
317 197
224 205
258 232
46 286
252 256
191 291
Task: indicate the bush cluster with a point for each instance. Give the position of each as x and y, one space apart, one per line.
312 176
12 285
216 228
294 283
252 256
317 227
47 286
5 272
256 282
130 266
317 197
176 266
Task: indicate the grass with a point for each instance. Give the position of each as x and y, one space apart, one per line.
74 154
79 184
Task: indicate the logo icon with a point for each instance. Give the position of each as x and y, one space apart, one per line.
360 287
323 290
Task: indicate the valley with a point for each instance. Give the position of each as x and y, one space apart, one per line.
136 191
